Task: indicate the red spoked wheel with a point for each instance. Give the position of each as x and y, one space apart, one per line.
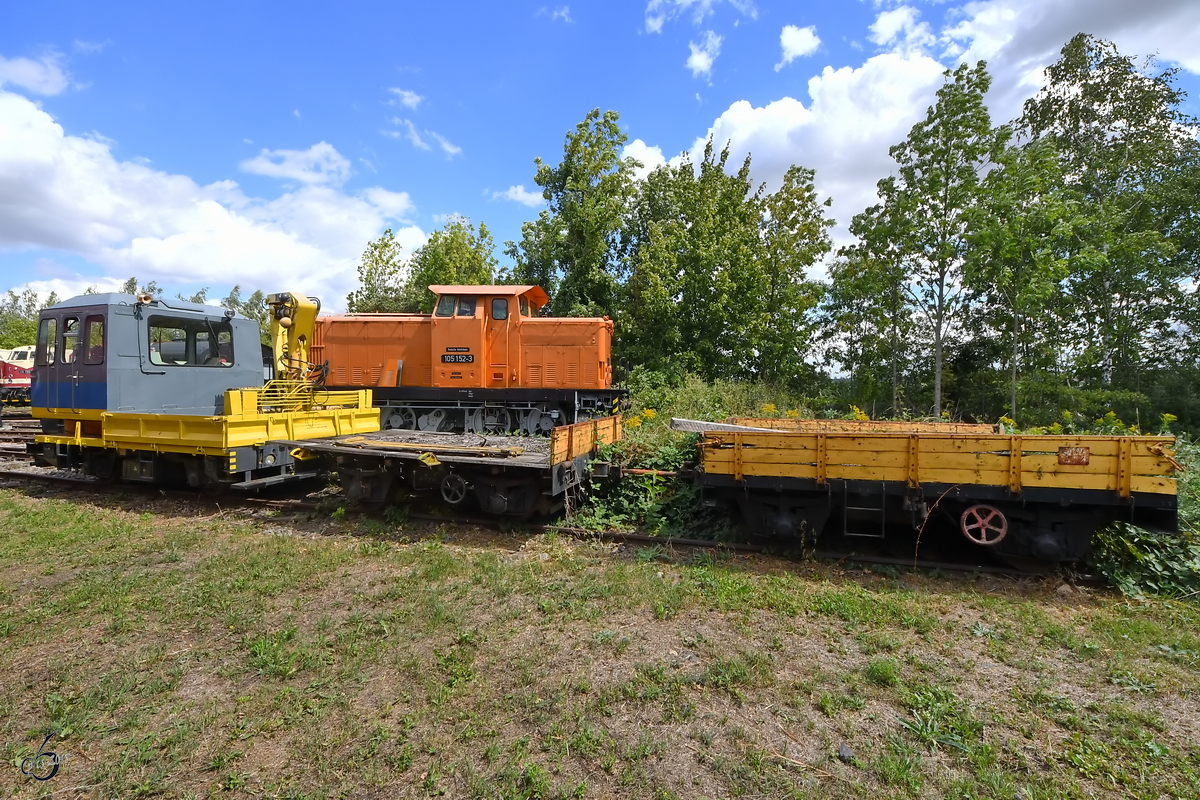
984 525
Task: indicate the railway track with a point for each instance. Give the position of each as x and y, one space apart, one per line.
624 537
16 432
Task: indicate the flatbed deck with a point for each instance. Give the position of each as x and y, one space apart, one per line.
448 448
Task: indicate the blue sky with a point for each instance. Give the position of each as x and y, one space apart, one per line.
266 143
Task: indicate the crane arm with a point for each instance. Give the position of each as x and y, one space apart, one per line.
293 319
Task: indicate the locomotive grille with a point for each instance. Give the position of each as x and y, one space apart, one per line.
552 373
376 372
572 373
356 376
535 374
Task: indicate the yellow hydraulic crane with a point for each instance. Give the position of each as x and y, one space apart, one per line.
293 318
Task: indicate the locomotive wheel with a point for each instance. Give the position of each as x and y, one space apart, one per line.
489 421
984 525
454 489
403 418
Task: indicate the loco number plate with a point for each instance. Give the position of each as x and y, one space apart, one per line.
458 358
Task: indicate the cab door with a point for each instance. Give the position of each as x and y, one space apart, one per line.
457 340
496 348
48 373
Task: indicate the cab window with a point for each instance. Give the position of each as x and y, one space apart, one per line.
47 339
93 337
466 306
445 306
70 339
500 308
190 342
524 307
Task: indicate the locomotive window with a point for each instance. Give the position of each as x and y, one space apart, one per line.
93 337
70 339
47 338
500 308
190 342
524 307
466 306
445 306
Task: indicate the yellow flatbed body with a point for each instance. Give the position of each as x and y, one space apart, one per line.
245 423
1122 464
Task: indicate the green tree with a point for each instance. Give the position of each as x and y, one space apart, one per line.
19 315
380 278
254 307
925 207
457 254
1127 149
716 278
573 249
1023 245
132 286
868 323
796 237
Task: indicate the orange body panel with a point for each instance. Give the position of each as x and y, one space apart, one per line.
468 350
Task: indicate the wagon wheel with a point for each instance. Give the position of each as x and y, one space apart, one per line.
454 489
984 525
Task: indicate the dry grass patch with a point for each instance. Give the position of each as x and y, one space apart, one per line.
179 656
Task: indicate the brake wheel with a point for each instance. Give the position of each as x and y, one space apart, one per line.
984 525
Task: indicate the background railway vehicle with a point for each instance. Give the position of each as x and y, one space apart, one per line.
1029 500
150 390
16 372
482 362
15 380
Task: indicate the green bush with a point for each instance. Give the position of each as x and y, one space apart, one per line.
1139 562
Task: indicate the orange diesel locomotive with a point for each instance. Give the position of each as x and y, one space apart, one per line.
480 362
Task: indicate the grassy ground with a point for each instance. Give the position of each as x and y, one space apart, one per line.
190 656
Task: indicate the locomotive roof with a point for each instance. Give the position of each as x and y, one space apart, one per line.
118 299
535 293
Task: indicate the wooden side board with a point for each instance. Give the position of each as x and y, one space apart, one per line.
1122 464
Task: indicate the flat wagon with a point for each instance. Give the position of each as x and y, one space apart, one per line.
1034 497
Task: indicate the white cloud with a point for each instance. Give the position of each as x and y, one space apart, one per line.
1020 38
650 157
900 30
88 48
320 163
700 62
409 132
43 76
296 113
854 116
518 194
563 13
406 98
68 193
797 42
449 148
659 12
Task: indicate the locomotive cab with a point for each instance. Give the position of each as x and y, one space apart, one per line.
121 353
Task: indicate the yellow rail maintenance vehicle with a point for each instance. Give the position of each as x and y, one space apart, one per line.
1026 499
145 389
